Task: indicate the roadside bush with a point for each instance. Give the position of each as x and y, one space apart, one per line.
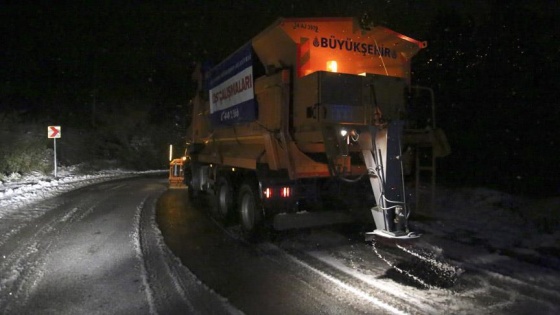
25 151
128 141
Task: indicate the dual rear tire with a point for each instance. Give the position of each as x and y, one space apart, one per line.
250 209
248 205
223 201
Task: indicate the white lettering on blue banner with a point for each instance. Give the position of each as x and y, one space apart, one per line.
231 93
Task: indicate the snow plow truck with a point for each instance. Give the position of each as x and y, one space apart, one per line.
312 122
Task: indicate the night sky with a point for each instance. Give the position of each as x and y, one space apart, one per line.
494 69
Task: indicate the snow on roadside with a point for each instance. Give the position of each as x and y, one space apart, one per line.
507 224
18 191
505 221
502 221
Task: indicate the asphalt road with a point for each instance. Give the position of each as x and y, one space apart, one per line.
135 247
96 250
258 278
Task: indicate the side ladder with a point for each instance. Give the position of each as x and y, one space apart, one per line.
425 172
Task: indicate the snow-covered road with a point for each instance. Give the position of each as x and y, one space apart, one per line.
97 250
67 248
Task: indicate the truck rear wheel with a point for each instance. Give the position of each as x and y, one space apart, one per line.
224 199
191 192
250 209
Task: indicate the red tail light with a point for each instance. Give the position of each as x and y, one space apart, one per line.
285 192
279 192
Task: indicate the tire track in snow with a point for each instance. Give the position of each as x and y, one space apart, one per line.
517 289
137 241
25 251
514 282
170 287
356 287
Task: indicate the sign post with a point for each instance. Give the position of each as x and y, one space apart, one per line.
53 132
